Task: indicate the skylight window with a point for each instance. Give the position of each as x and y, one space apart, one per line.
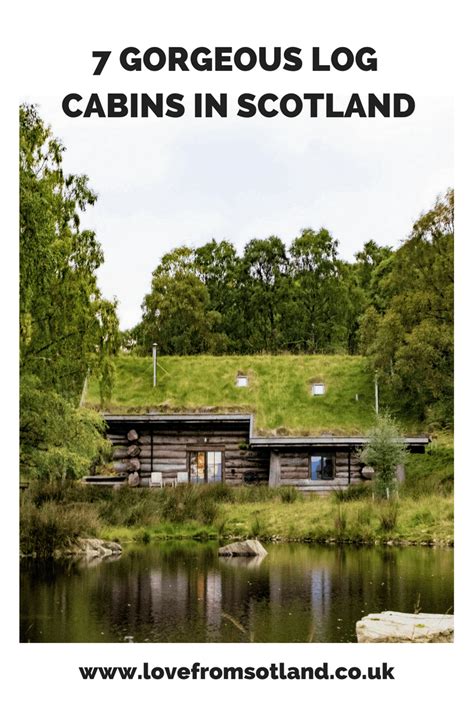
317 389
241 381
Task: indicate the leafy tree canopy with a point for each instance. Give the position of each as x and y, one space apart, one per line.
67 329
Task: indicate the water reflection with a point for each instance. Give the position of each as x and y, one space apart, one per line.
180 592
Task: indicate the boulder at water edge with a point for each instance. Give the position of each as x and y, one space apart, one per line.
395 627
244 548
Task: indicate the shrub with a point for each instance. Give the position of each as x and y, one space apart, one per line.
384 452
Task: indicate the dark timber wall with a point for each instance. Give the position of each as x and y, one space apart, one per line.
142 444
295 465
170 445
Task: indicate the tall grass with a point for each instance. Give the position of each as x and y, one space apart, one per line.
51 528
289 494
53 515
388 516
357 491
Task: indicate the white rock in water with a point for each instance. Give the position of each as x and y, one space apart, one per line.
244 548
396 627
93 548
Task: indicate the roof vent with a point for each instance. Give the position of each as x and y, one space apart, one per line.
317 388
241 381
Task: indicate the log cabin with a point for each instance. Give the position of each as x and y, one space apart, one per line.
223 448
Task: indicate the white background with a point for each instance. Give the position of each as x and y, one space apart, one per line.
46 52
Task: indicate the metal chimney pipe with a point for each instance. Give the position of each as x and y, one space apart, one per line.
154 364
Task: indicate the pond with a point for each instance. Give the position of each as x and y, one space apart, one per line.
184 592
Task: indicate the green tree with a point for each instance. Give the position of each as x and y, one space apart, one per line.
413 346
319 293
62 312
384 451
218 267
177 312
264 287
67 329
58 440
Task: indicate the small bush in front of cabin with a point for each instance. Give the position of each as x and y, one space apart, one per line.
384 451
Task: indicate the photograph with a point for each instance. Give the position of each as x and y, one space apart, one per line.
266 454
234 292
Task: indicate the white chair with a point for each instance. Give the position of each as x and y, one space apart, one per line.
156 479
182 477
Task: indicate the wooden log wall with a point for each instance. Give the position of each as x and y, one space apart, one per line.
295 465
171 447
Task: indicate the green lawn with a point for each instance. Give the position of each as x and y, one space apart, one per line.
428 520
279 391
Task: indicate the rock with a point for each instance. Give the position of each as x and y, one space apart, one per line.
134 480
92 548
132 435
133 451
133 465
245 548
396 627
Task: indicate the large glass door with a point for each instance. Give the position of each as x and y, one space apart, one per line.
205 467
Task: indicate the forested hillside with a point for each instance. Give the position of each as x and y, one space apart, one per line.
393 305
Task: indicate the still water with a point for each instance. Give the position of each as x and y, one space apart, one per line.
182 591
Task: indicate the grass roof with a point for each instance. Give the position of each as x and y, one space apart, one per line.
278 392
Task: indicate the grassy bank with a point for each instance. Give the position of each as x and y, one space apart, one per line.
279 391
54 515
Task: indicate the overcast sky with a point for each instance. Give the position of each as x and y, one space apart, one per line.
164 183
167 182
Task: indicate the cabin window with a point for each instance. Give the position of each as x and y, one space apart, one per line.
321 468
205 467
317 389
241 381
